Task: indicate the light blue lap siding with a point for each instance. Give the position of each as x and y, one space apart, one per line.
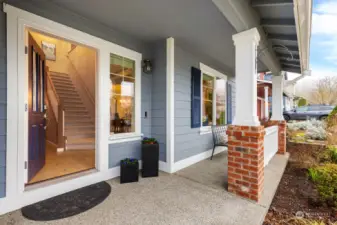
3 101
52 11
231 81
119 151
159 97
188 141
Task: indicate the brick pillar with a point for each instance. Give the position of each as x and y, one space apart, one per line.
246 161
282 134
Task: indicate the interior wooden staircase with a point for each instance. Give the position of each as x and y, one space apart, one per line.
79 126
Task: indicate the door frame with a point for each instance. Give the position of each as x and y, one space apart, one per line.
17 130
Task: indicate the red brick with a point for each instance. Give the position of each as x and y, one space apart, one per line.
242 160
233 164
251 134
244 183
231 169
243 194
232 175
245 128
236 154
241 171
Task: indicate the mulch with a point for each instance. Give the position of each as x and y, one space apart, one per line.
296 195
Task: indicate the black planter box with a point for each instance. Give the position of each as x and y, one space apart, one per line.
129 173
150 160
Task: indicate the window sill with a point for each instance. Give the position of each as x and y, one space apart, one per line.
205 130
127 137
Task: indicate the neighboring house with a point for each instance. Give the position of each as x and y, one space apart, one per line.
264 98
203 73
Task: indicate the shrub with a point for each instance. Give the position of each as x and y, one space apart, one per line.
331 120
129 161
315 129
332 153
151 141
302 102
325 179
315 133
303 125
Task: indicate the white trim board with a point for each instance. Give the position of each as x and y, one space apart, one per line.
17 21
196 158
170 102
209 71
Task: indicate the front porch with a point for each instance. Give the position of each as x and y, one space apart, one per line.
194 195
197 81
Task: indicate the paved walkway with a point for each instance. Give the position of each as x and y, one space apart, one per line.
172 199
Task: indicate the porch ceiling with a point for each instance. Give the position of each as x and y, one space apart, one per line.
278 22
197 25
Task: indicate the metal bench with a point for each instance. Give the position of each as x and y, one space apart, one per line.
220 137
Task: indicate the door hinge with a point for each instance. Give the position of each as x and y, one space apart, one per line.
26 107
26 165
26 49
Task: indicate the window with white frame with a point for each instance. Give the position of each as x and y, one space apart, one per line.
122 94
213 100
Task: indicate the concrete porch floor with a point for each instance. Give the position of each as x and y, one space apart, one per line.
192 196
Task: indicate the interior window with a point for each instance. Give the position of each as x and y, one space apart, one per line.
220 93
207 105
122 94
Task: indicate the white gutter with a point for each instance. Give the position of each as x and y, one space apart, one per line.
293 81
303 19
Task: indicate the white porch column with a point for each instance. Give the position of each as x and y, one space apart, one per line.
266 105
246 44
277 98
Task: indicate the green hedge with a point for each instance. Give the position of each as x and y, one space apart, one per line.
302 102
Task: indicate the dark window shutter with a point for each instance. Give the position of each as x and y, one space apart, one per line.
229 103
195 97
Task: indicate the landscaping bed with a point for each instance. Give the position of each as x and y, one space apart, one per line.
298 199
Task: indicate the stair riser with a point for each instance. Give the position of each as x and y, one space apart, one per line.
79 127
61 80
80 147
77 136
66 90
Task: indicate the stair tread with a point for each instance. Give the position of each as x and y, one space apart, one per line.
79 127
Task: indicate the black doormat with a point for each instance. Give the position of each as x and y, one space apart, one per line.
68 204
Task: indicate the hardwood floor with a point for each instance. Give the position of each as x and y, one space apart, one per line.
64 163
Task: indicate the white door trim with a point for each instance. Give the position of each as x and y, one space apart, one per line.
17 129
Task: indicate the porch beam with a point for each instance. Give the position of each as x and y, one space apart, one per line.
278 22
290 64
283 37
292 69
243 17
277 96
264 3
245 79
286 48
288 56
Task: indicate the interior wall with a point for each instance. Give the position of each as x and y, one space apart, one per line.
80 60
3 101
84 61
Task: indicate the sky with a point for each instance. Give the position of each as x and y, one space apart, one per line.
323 51
323 45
